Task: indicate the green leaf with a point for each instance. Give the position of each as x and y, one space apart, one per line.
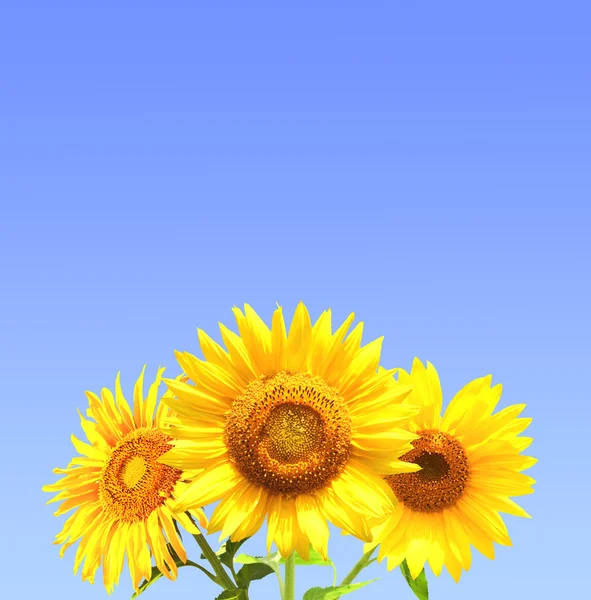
332 593
156 574
251 572
232 595
315 558
419 585
227 551
272 562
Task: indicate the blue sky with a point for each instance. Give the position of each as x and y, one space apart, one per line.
425 166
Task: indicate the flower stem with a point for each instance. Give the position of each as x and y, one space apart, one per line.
359 566
290 577
281 586
214 561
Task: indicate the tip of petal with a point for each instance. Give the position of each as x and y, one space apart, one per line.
417 364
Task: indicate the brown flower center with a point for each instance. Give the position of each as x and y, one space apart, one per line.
290 433
442 480
133 483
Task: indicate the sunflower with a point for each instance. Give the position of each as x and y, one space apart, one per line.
471 465
289 427
122 494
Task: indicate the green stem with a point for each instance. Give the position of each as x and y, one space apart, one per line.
290 577
281 585
213 559
359 566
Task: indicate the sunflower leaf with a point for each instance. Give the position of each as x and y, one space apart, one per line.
419 585
156 574
251 572
272 562
315 558
227 551
334 592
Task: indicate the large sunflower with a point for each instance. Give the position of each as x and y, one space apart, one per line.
122 494
291 427
471 465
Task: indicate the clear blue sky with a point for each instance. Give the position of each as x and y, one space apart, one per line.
426 165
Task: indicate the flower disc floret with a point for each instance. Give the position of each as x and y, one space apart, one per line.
133 483
289 433
442 479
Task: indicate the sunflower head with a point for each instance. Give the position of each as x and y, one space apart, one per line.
289 426
471 464
122 494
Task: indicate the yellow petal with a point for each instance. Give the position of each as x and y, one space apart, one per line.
238 353
364 364
342 515
138 398
162 556
147 412
312 523
165 520
235 508
401 519
87 449
426 395
457 538
254 521
473 402
209 377
209 486
257 338
273 516
334 357
321 337
278 341
360 487
298 340
287 529
200 400
491 426
121 402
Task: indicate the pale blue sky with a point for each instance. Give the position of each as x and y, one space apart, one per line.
425 165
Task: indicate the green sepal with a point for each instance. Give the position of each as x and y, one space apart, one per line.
419 585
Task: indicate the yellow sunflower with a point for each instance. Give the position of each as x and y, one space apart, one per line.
122 494
471 465
291 427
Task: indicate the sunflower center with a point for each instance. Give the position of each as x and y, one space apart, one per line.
133 483
289 433
434 465
441 482
134 470
292 432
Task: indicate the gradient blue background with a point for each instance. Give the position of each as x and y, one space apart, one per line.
425 165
